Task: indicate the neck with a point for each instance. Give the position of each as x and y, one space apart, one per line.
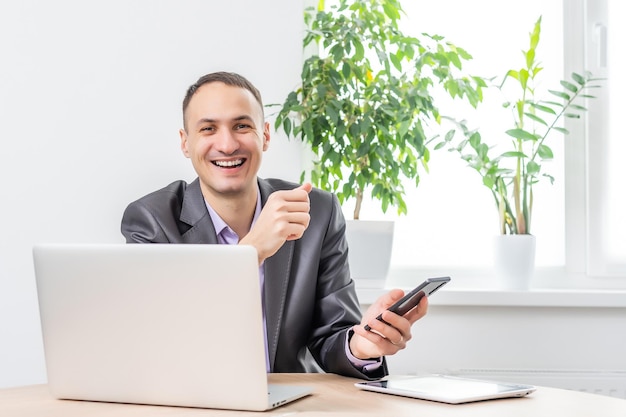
236 210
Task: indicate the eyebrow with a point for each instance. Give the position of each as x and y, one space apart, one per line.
235 119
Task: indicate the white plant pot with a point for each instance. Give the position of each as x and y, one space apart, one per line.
369 251
514 261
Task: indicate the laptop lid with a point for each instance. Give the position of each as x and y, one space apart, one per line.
162 324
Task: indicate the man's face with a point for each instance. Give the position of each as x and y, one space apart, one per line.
225 138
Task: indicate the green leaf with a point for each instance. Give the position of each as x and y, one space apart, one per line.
456 61
544 109
579 79
359 50
545 152
332 113
554 103
287 125
475 139
396 62
532 168
536 119
513 154
345 70
569 86
521 134
560 94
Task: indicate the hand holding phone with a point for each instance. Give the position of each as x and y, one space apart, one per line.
412 298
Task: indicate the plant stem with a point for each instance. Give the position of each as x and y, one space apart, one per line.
359 200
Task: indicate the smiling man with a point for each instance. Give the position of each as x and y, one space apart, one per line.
298 232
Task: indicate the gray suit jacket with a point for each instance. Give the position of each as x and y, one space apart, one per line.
310 298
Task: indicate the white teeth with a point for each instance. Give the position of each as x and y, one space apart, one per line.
236 162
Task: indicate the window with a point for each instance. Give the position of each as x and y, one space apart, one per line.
602 226
452 219
577 220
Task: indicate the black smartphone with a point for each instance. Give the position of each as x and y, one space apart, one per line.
412 298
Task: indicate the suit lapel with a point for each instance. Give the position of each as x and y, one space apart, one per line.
277 273
195 214
277 269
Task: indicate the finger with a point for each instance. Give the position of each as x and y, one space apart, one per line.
370 335
393 327
298 223
297 234
411 316
401 343
298 218
299 194
397 330
418 312
390 298
297 207
296 195
396 334
375 344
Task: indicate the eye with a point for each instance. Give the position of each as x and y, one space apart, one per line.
242 126
207 129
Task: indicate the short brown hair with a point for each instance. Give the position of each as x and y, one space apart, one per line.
228 78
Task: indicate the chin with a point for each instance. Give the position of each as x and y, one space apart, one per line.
233 187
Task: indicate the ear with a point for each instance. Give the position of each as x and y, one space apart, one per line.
183 142
266 136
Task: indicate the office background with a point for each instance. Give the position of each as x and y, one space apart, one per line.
90 107
90 97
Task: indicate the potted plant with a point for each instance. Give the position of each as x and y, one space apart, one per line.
365 99
512 165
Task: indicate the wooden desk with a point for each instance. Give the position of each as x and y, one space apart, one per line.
334 396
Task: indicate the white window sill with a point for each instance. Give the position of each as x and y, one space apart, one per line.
550 287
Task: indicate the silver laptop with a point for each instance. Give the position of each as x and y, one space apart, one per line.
168 324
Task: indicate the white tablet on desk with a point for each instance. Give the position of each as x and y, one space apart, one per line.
445 388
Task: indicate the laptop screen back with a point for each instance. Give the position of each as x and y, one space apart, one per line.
155 324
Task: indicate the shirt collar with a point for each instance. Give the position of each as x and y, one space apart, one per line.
225 234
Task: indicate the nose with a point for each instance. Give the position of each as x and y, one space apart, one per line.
225 142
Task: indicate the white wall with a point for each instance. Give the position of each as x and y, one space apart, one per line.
90 98
570 347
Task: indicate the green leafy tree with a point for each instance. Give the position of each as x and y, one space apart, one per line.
367 96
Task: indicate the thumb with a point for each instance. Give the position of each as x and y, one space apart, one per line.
391 297
306 187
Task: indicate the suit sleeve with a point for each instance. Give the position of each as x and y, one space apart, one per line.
338 308
154 218
140 225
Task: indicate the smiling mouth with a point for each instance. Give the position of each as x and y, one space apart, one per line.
229 164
